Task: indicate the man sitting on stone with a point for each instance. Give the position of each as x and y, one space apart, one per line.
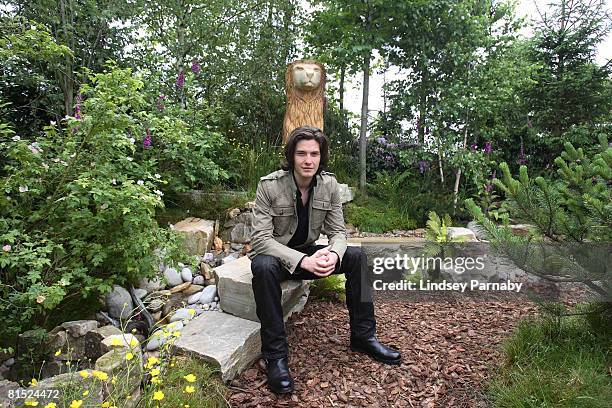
292 207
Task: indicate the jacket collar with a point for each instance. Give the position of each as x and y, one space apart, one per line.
293 184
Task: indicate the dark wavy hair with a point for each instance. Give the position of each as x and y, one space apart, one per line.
306 133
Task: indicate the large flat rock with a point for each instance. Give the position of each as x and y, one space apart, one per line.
227 341
236 291
199 234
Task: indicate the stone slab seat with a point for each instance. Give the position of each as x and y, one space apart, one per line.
226 341
236 292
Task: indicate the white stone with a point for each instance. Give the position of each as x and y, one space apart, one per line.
460 234
208 294
346 193
119 303
194 298
186 275
172 276
181 314
151 285
198 280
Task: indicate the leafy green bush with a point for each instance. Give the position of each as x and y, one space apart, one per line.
372 215
78 203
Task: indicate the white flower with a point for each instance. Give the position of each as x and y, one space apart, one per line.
23 189
104 206
33 28
34 148
72 155
67 117
129 158
6 248
140 182
45 166
159 193
16 138
64 163
114 181
55 159
157 176
132 140
52 123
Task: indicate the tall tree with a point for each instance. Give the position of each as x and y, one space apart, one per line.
571 88
241 49
92 29
346 33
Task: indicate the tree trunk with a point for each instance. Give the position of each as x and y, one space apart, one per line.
364 122
342 77
66 80
458 173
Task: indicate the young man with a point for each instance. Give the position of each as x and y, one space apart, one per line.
292 207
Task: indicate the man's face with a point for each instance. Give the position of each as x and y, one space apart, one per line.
306 158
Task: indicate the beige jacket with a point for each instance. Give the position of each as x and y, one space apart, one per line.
275 217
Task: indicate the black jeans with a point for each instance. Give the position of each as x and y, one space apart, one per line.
268 273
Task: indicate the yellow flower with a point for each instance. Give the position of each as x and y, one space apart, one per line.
155 372
155 380
158 396
133 342
100 375
58 352
31 403
33 383
177 333
191 312
76 404
114 380
190 378
51 405
84 374
129 356
151 361
85 393
105 404
116 341
189 389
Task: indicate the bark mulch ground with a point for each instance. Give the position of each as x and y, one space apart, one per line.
449 347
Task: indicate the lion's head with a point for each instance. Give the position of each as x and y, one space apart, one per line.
305 79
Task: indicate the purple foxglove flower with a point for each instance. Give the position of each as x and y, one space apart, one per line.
488 187
180 80
77 108
146 143
474 147
160 102
422 166
488 147
195 67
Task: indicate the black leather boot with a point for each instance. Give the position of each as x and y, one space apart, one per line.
372 347
279 378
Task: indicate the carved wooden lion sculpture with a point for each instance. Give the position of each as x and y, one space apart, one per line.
305 89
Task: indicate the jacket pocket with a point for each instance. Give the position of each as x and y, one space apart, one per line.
282 217
320 208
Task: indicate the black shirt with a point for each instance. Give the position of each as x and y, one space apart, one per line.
301 233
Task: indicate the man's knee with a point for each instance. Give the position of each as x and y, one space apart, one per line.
354 255
263 266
